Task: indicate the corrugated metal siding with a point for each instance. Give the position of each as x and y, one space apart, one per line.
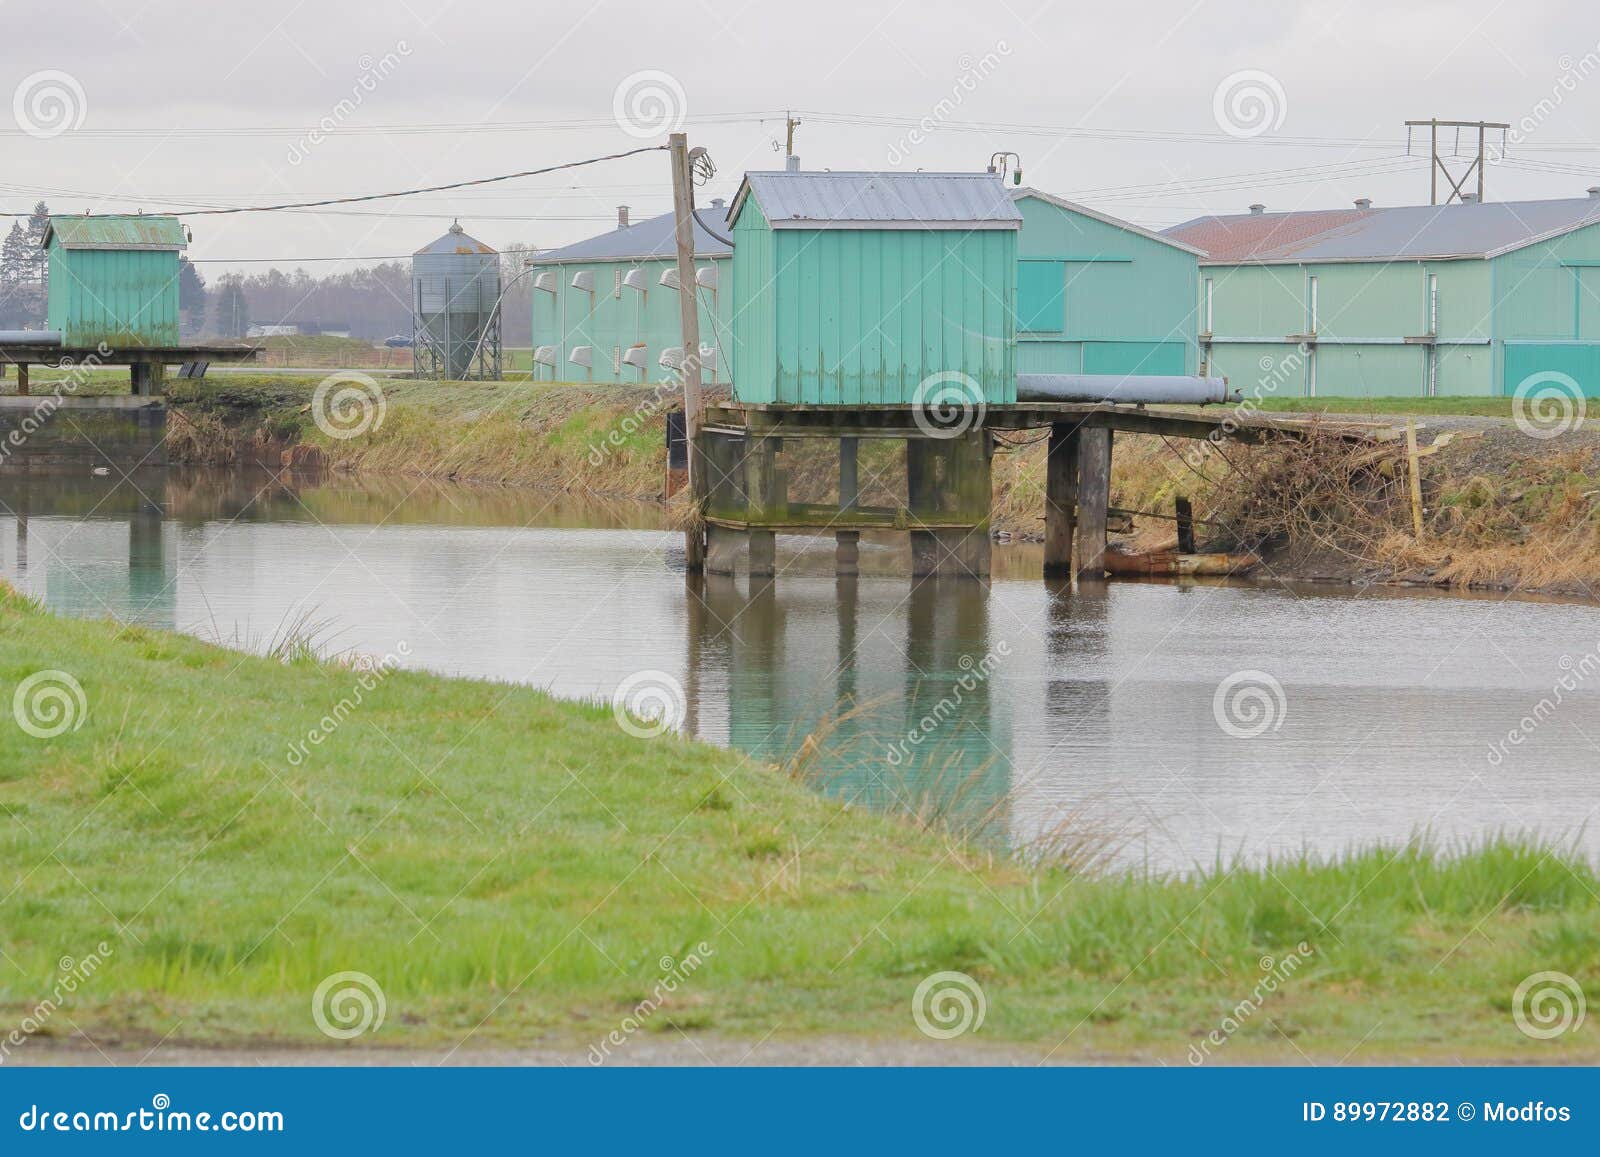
1261 370
1539 297
1465 371
1356 302
1579 361
865 316
122 297
1465 309
1050 357
568 318
1370 371
1257 301
755 315
1135 357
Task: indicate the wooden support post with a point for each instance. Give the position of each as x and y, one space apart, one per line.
1185 510
722 549
849 474
1060 499
22 379
763 553
847 553
1414 462
694 544
147 378
1094 496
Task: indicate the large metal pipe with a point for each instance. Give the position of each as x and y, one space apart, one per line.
1128 389
30 336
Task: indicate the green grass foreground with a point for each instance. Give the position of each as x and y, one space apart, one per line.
512 869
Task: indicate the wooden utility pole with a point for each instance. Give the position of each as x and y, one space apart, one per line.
694 553
1436 164
790 123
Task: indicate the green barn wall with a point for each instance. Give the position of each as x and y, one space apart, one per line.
1256 301
618 319
1127 300
1547 319
122 297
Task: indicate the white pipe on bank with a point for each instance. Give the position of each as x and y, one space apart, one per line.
1129 389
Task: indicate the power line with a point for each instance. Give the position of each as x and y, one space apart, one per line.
426 188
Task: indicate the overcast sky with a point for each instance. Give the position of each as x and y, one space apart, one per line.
1153 111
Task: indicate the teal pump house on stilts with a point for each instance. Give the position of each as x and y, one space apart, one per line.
113 279
858 288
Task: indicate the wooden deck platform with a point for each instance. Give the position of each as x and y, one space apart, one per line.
147 363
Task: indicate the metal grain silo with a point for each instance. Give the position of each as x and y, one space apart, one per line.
455 308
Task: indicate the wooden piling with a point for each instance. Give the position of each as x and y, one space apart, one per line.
722 549
1061 499
22 379
1185 519
847 553
1094 496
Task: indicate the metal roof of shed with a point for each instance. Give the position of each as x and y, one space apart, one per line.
809 200
654 237
116 231
1105 218
455 241
1403 233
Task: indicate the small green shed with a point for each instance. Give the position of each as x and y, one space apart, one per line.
114 279
857 288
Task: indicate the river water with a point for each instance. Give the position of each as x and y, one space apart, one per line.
1178 724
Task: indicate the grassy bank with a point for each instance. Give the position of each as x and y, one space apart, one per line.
1501 509
602 439
513 869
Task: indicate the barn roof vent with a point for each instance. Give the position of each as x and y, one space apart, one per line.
622 216
1257 209
1363 202
1469 198
1593 191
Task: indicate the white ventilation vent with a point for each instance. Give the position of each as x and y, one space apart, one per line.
671 357
547 281
582 355
669 278
637 356
545 355
706 277
708 358
635 279
583 280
